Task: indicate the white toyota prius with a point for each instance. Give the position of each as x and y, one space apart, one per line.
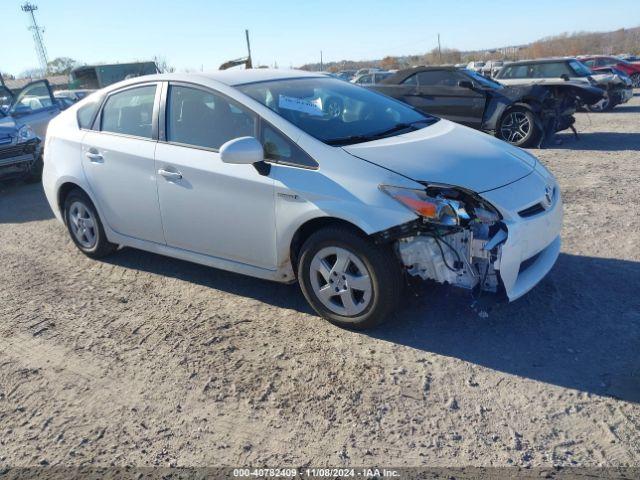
287 175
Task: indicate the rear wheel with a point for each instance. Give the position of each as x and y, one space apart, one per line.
635 80
348 279
84 225
518 127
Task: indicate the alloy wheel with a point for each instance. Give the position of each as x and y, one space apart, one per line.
341 281
83 225
515 127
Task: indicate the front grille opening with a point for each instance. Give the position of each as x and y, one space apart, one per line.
531 211
528 262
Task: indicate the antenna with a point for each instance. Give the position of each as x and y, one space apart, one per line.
37 36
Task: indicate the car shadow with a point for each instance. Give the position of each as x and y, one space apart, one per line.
625 109
22 203
599 141
579 328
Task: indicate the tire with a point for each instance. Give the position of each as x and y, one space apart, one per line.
368 276
635 80
518 127
89 236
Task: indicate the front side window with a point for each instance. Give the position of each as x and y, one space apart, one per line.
336 112
412 80
204 119
279 149
130 112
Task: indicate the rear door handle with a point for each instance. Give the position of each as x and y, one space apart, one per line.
94 157
170 175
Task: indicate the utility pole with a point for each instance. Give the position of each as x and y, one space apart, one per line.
249 63
439 49
321 66
37 36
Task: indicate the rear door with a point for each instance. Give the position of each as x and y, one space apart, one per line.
439 94
118 160
35 106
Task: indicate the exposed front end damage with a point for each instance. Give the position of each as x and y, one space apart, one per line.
461 248
477 247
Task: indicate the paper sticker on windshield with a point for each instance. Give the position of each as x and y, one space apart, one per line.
310 107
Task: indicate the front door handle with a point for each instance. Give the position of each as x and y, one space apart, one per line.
94 157
170 175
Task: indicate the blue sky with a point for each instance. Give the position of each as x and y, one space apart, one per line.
194 34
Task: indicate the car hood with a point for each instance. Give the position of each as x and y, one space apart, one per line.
451 154
7 129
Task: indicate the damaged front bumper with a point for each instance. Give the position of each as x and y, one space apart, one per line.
18 158
508 257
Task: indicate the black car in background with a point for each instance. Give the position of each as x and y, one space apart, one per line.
524 116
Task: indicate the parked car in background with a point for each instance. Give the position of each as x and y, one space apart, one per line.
363 71
371 78
554 70
246 171
476 66
524 116
598 61
74 95
346 75
491 68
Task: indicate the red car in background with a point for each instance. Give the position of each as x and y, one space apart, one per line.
631 69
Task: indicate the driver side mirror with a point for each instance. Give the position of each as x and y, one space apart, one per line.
242 151
565 77
465 84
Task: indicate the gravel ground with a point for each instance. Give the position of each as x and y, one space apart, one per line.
144 360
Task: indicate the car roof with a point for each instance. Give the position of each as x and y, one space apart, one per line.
232 78
542 60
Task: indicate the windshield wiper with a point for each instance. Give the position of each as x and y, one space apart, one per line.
375 136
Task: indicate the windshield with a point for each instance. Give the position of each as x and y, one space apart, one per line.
484 81
580 68
336 112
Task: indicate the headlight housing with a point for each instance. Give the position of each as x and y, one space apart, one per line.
25 133
443 205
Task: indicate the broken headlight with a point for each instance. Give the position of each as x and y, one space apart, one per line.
444 205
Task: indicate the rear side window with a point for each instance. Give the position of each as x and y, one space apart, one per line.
515 71
412 80
86 113
204 119
550 70
130 112
280 149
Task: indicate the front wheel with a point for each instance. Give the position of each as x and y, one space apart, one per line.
518 127
604 105
635 80
348 279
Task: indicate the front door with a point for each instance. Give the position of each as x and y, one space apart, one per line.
211 207
35 106
118 160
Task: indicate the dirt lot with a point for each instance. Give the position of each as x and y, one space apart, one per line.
144 360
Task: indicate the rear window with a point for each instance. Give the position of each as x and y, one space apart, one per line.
87 113
514 71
